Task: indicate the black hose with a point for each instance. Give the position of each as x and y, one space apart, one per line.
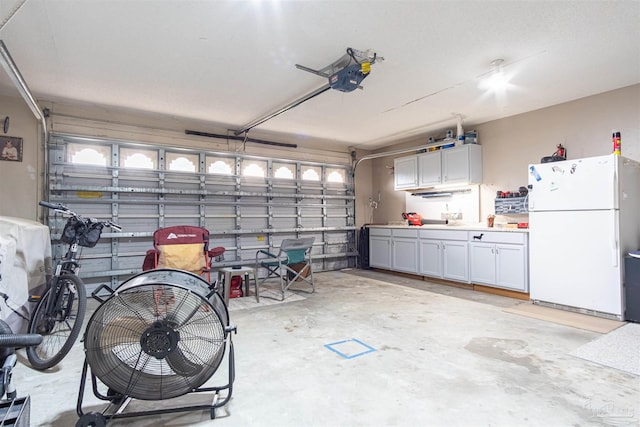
20 340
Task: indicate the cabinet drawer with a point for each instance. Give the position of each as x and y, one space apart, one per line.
379 232
498 237
444 234
402 232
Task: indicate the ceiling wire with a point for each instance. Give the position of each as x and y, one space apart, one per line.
464 82
12 14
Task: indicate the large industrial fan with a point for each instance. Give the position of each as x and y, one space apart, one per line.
159 335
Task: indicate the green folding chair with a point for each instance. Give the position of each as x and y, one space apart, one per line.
292 264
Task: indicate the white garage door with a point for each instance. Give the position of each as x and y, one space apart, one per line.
246 202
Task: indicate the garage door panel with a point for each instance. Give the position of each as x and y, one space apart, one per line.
217 224
128 246
254 223
223 207
188 209
282 222
231 207
252 187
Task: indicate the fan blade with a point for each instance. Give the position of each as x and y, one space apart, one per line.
181 365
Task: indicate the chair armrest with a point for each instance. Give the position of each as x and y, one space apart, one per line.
150 258
216 252
266 254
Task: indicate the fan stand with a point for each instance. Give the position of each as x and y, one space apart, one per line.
118 403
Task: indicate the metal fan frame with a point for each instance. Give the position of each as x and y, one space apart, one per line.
118 403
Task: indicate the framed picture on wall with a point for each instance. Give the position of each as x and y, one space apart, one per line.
11 148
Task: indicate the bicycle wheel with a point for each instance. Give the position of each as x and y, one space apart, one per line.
61 328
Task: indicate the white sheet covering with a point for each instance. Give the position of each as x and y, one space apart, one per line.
25 260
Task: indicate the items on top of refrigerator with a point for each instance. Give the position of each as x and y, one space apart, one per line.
617 143
559 155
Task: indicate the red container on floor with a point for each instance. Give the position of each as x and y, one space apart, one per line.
235 291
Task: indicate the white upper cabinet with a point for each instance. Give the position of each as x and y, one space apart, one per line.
462 165
405 172
429 169
459 165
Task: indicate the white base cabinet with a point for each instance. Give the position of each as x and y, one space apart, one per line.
500 259
491 258
394 249
430 257
455 261
444 254
404 250
380 248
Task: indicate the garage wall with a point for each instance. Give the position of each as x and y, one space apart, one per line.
21 182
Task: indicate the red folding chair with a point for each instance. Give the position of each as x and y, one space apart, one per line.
182 247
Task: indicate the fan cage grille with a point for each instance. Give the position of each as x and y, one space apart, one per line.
135 324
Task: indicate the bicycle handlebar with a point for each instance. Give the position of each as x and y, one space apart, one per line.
60 207
113 225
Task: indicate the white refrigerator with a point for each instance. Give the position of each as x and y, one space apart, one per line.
584 217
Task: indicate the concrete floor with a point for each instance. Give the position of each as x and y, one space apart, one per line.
443 356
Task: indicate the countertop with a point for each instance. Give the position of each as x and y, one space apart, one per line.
458 226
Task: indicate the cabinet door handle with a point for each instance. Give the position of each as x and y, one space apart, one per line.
479 237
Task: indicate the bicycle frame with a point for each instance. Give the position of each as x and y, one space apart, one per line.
59 316
67 265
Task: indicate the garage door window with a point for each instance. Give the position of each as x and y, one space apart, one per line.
310 173
335 175
285 171
253 168
88 155
142 159
181 162
220 166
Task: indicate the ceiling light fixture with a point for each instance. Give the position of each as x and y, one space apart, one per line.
496 80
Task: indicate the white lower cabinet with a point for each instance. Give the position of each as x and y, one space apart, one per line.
404 254
430 257
394 249
500 259
444 254
380 248
493 258
455 260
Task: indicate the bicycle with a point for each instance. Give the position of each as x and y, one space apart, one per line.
60 310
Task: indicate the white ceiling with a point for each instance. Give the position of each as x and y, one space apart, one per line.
230 62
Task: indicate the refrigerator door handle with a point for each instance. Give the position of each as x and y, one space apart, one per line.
614 240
